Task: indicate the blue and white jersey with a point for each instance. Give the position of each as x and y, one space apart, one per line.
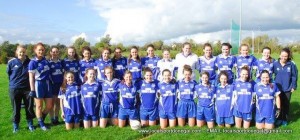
265 99
186 90
110 92
242 61
224 102
73 66
120 66
205 94
100 65
152 64
57 71
72 104
261 65
226 64
40 68
208 65
148 93
91 94
243 96
18 73
85 65
168 97
286 76
166 64
135 68
127 96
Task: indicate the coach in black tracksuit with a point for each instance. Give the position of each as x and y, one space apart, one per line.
17 70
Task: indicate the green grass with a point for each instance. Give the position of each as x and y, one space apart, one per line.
292 131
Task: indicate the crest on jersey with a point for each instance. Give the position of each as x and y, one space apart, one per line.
259 90
191 86
163 87
277 69
261 65
240 60
249 85
152 85
250 60
218 91
228 90
123 61
67 65
84 88
143 85
221 62
289 69
271 90
95 88
199 89
105 84
238 85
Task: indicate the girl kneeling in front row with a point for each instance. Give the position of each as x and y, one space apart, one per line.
70 101
90 92
186 95
224 102
128 98
205 108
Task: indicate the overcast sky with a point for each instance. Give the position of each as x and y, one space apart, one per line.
141 21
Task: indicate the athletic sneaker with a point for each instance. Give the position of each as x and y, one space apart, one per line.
15 130
31 128
44 128
284 123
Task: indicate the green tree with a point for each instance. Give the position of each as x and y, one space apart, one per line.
80 43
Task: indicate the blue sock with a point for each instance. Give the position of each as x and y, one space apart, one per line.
41 122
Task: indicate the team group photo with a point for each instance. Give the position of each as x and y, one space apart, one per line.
149 70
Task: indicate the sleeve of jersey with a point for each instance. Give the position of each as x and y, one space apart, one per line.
61 95
32 67
294 76
8 69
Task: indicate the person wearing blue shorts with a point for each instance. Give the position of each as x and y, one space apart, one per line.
39 74
147 90
267 96
205 107
167 101
70 100
17 71
224 101
56 78
186 94
91 94
128 99
109 105
243 99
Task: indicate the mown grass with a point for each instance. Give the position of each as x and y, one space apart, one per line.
292 131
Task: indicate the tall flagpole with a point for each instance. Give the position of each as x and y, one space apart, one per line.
240 37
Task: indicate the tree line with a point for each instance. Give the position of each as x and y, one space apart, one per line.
7 50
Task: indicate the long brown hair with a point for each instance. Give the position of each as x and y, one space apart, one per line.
270 58
76 54
130 56
85 75
63 87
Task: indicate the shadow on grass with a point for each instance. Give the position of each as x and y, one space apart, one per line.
294 115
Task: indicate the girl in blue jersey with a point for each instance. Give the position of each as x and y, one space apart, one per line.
205 107
91 94
103 62
17 71
128 99
166 63
134 64
70 101
119 63
243 98
150 61
56 78
186 95
149 100
86 62
167 101
286 77
244 59
225 61
207 63
224 101
71 63
266 95
265 63
39 73
109 105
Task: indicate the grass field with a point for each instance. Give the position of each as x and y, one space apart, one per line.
292 131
